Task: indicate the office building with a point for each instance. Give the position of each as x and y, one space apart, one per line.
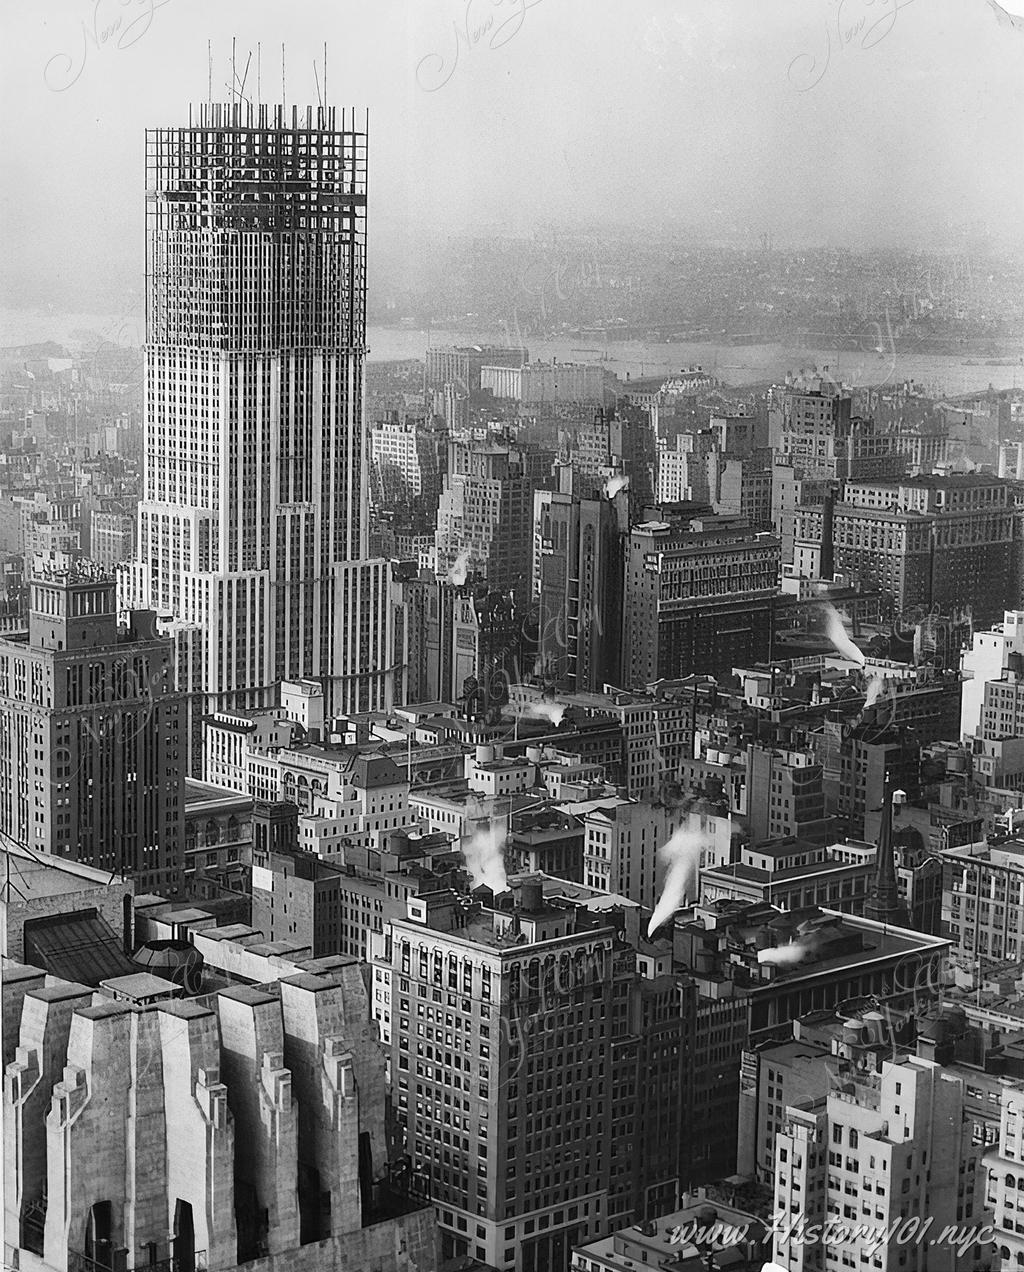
873 758
578 583
91 745
486 511
747 993
540 384
252 525
408 461
987 660
533 1140
683 471
460 367
1005 1164
611 445
982 900
879 1149
50 525
623 839
791 875
699 598
112 537
791 797
324 905
218 842
345 794
943 542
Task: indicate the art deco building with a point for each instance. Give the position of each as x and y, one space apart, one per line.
91 748
252 525
578 583
144 1129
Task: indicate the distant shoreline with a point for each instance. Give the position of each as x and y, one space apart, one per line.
961 372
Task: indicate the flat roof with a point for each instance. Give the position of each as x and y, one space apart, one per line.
208 795
139 985
635 1247
44 874
755 874
12 972
930 481
882 941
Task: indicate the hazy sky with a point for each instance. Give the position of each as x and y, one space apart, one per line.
853 122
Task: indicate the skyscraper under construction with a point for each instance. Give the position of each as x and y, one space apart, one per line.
252 529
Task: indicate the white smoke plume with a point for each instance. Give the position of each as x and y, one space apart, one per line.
838 635
876 687
614 484
681 856
551 711
484 850
784 955
460 569
836 631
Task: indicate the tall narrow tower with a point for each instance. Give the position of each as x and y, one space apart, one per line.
252 525
884 903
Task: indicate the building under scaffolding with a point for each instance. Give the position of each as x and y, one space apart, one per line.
252 526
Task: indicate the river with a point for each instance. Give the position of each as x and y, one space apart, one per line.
735 365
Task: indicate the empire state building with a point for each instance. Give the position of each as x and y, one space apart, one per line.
252 527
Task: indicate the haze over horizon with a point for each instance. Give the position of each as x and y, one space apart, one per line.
857 124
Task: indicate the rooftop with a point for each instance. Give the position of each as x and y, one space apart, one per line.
204 797
77 947
140 987
41 874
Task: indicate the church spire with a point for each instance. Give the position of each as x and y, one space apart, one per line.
884 904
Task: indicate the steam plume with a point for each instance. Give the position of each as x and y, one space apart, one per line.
460 569
484 851
837 634
784 955
614 484
681 856
552 711
876 685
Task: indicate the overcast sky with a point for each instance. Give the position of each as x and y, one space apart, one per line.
851 123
